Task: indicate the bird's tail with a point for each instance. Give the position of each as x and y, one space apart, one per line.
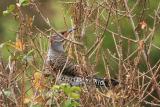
98 82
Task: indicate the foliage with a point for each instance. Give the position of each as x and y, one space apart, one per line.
10 9
72 94
24 2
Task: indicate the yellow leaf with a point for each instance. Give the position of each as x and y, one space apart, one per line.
30 22
27 100
37 75
19 45
38 81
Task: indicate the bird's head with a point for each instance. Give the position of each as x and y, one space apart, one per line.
56 40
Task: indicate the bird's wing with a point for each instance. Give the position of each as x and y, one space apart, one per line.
65 65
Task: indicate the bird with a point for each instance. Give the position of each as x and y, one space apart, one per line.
57 63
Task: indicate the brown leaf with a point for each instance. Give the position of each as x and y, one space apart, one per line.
143 24
38 81
19 45
39 99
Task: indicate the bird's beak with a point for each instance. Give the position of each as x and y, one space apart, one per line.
71 30
66 33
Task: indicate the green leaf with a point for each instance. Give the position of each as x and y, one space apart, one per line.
67 103
5 12
75 88
9 9
31 51
71 103
24 2
74 95
55 87
75 104
65 88
2 45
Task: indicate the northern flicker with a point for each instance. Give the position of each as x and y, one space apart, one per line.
57 63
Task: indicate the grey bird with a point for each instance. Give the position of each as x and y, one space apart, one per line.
57 63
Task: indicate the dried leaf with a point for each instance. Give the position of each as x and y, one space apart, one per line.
143 24
37 76
38 81
26 100
19 45
70 52
39 99
141 45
